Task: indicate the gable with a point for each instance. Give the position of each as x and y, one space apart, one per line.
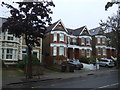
101 31
59 27
85 32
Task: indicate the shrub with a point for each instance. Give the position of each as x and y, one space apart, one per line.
22 63
84 60
92 59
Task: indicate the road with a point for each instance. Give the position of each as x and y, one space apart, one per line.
104 80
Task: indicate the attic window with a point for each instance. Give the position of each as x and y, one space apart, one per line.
93 31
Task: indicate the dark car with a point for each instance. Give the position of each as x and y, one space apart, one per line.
77 64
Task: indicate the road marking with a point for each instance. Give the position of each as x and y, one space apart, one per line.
109 85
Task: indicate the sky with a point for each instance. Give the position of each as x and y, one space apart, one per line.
76 13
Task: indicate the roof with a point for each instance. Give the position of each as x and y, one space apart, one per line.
78 31
70 31
49 28
95 31
75 32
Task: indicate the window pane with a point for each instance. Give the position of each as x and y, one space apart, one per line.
99 53
55 36
88 52
61 37
98 40
9 54
54 51
104 51
88 41
82 41
83 53
103 40
61 51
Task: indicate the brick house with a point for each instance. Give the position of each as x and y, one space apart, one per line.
100 48
75 43
61 41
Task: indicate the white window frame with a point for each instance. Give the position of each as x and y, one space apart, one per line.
104 51
103 40
98 40
99 51
88 52
83 52
88 41
62 37
54 51
10 38
9 54
68 40
74 40
55 36
61 50
82 41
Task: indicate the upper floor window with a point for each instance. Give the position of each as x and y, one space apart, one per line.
103 40
55 37
61 51
82 41
10 38
61 37
68 40
74 40
98 39
88 41
54 51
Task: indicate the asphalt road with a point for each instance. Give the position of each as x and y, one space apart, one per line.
105 80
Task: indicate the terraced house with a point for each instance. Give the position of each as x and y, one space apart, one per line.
74 43
13 49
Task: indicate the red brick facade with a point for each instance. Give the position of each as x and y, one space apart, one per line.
74 46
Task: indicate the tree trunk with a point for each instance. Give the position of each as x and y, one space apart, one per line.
29 62
29 59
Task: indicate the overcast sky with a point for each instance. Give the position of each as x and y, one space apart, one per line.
76 13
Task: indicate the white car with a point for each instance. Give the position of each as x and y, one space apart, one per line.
106 62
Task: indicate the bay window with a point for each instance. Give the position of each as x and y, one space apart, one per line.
61 51
82 41
99 51
9 54
55 37
83 52
61 37
54 51
98 39
88 41
104 51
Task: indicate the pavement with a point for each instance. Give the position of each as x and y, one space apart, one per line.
65 75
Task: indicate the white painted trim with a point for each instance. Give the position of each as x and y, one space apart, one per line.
58 32
84 29
61 23
79 47
110 48
57 45
100 36
101 46
85 37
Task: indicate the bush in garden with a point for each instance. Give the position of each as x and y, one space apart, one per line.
22 63
84 60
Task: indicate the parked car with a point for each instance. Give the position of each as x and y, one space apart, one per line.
76 63
106 62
